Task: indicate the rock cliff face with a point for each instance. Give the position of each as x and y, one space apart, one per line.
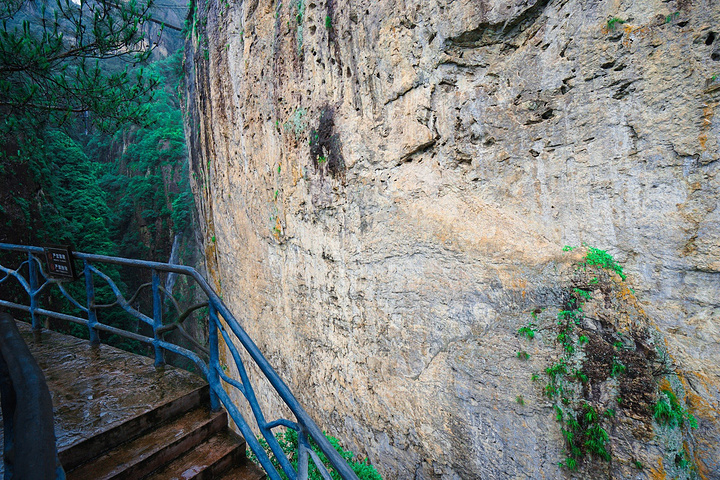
387 187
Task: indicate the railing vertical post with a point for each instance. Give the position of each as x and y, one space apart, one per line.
92 313
157 319
303 457
214 363
33 280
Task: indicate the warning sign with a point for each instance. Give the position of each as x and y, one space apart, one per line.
60 263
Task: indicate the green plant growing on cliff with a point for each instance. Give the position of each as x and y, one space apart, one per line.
584 294
597 258
579 375
617 367
583 434
314 137
582 424
612 22
300 11
328 22
288 442
681 460
527 331
596 437
668 411
602 259
599 349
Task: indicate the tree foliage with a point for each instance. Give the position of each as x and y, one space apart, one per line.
76 67
92 150
79 209
288 441
58 195
60 58
148 187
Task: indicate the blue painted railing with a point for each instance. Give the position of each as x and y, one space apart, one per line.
38 281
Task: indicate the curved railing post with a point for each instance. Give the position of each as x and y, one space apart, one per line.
157 319
303 457
92 313
33 281
214 364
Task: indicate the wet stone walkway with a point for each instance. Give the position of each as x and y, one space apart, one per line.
95 388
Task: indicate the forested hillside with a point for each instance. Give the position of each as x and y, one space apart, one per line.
92 150
107 184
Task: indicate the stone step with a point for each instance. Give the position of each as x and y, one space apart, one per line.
246 471
153 450
87 449
206 461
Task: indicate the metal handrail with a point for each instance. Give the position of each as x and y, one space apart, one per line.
212 370
29 429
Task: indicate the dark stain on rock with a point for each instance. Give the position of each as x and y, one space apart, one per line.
637 384
329 19
599 361
325 147
627 355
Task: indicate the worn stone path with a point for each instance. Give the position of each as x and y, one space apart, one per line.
94 388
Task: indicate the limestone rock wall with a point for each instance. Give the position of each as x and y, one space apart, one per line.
387 186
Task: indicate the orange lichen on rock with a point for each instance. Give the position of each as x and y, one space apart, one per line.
664 385
708 113
631 31
700 407
658 473
701 470
278 229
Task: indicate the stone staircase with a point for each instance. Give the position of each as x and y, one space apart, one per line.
117 417
180 439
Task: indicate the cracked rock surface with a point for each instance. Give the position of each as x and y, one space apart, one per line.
387 186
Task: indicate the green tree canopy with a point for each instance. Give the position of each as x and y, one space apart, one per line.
59 59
